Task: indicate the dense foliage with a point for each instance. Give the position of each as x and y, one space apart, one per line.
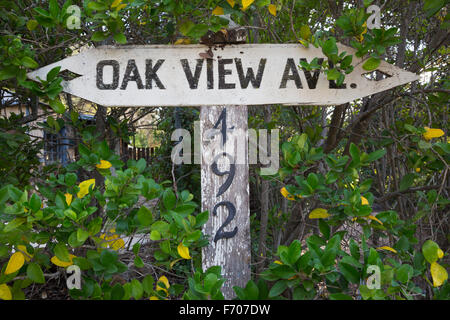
361 186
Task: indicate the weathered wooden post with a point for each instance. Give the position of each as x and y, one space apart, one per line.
225 193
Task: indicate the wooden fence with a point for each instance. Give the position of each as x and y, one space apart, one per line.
130 152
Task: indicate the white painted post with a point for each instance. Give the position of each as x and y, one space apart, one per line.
225 194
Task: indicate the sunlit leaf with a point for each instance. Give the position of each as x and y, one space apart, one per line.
104 164
431 133
5 292
218 11
15 262
438 273
68 198
319 213
84 187
387 248
246 4
60 263
286 194
183 251
272 9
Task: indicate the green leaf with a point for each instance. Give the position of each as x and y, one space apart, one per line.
120 38
82 235
431 7
97 6
407 181
430 251
278 288
340 296
145 216
375 155
198 31
294 252
61 252
35 203
350 273
117 292
32 24
333 74
57 106
155 235
136 289
169 199
147 284
252 291
329 47
354 152
99 36
138 262
404 273
29 62
371 64
51 75
34 272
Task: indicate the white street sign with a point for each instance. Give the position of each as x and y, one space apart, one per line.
245 74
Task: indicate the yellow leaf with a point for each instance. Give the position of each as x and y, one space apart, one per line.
15 263
118 244
286 194
305 32
183 251
115 3
153 298
104 164
432 133
272 9
5 292
387 248
84 187
173 262
27 255
440 253
60 263
371 217
438 273
120 7
319 213
218 11
417 170
68 198
278 262
246 4
364 201
164 280
231 3
183 41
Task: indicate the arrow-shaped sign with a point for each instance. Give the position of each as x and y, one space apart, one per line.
195 75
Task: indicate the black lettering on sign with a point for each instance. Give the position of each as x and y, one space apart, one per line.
115 83
131 74
224 187
231 213
150 74
210 73
250 76
192 79
223 72
223 129
290 73
312 80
